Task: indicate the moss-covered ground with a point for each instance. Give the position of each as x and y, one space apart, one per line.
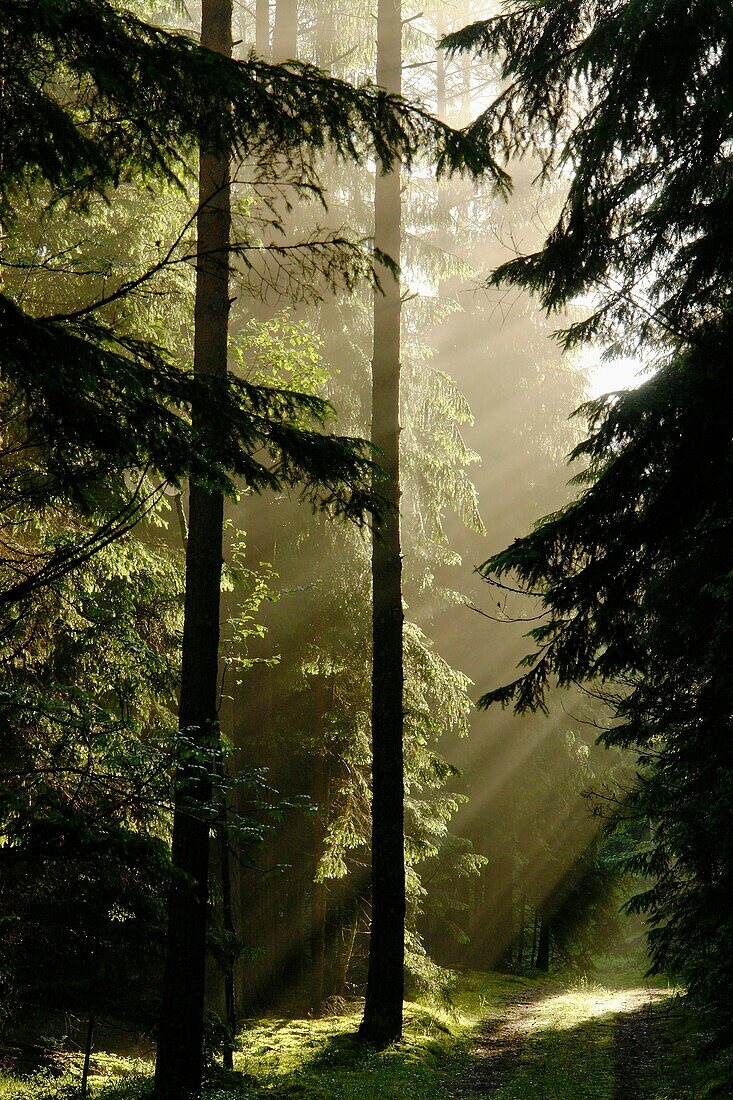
506 1037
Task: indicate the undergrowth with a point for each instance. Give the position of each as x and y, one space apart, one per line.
564 1050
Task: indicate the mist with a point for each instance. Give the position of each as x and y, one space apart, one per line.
354 656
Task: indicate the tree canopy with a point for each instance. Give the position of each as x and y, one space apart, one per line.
123 99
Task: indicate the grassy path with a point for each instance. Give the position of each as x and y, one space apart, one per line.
568 1044
638 1045
507 1038
501 1043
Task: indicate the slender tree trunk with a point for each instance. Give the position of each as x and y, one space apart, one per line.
319 910
319 890
466 96
441 101
382 1021
522 926
179 1065
262 28
324 34
351 927
227 916
543 945
285 31
87 1057
533 956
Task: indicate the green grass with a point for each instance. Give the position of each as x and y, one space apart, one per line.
566 1050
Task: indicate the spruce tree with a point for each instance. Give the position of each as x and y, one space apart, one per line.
382 1021
181 94
179 1058
124 100
634 576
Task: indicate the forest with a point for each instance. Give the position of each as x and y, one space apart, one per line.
365 645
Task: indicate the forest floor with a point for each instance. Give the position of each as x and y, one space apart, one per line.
505 1037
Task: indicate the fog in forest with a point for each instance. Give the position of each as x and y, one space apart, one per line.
255 779
486 401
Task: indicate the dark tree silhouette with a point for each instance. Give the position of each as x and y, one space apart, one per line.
382 1021
179 1062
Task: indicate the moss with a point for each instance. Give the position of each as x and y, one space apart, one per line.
565 1050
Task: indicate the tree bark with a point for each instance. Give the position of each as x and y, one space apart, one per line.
262 28
466 96
382 1021
285 31
441 99
533 955
522 926
87 1057
324 34
349 930
179 1065
319 890
227 916
543 945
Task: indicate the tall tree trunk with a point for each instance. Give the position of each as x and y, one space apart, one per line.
348 933
179 1065
382 1021
441 100
543 945
87 1057
522 926
227 916
319 890
533 956
262 28
324 34
466 96
285 31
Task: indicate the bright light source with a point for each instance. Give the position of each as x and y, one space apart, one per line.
607 375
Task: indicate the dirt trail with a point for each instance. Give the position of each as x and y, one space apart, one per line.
501 1040
499 1047
636 1040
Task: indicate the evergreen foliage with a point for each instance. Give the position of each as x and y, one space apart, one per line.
122 99
143 99
102 115
634 576
87 744
317 627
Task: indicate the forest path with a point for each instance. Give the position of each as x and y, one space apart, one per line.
581 1043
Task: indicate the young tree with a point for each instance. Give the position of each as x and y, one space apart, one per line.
87 744
382 1021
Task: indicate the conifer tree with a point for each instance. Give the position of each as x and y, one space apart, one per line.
116 398
382 1021
634 576
194 94
178 1065
435 487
